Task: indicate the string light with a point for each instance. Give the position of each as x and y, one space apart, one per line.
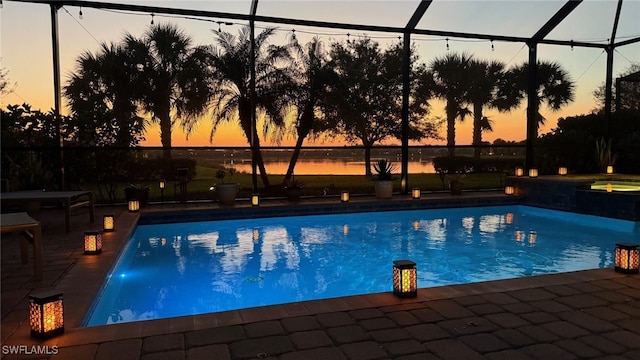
447 44
152 15
80 13
492 48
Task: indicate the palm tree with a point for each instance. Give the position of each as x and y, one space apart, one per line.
177 77
553 87
103 90
452 79
485 77
232 97
312 78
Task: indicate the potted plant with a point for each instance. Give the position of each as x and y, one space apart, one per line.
137 192
225 192
384 178
454 169
293 189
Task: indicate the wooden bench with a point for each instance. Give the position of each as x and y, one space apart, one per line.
30 232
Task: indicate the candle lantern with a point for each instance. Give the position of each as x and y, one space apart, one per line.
519 171
508 190
562 171
162 184
344 196
46 315
415 193
134 205
533 173
92 242
627 258
108 222
609 187
255 200
405 278
610 169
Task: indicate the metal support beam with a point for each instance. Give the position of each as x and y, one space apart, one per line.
406 78
608 84
57 90
556 19
252 95
532 104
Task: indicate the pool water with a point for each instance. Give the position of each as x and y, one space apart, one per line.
181 269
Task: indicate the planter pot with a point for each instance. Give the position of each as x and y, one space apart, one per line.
293 193
226 193
456 187
142 195
384 189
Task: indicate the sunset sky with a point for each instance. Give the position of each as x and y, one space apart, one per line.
26 45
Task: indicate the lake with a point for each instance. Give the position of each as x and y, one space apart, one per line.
328 167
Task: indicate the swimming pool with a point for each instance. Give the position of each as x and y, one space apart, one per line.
173 270
616 185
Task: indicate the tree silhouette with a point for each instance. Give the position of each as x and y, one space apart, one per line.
452 80
366 103
231 60
176 74
629 91
312 77
553 87
485 78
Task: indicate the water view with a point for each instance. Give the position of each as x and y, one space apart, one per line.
329 167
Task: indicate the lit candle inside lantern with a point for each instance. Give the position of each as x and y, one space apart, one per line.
610 169
508 190
92 242
519 171
415 193
134 205
344 196
627 258
533 173
609 187
108 222
562 171
255 200
405 278
46 314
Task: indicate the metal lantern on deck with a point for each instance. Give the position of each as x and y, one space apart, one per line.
627 258
405 278
533 173
134 205
344 196
610 169
108 222
415 193
519 171
255 200
508 190
46 315
92 242
562 171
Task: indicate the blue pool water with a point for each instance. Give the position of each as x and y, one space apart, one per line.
180 269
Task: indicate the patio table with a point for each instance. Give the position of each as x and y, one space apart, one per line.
31 232
70 200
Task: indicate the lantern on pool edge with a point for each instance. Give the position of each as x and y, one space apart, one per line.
108 222
255 200
610 169
627 258
92 242
344 196
519 171
405 278
415 193
562 171
134 205
533 173
508 190
46 315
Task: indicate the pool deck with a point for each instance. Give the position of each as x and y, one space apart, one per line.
578 315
